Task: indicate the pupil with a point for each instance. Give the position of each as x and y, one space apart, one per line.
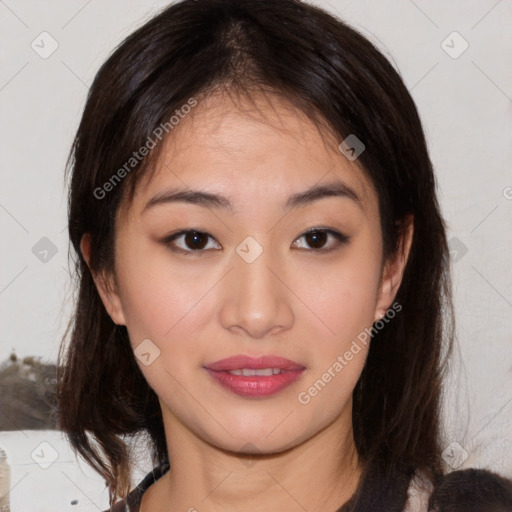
316 236
191 238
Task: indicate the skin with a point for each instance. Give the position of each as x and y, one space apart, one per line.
230 453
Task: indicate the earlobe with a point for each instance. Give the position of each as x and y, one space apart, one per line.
394 270
105 285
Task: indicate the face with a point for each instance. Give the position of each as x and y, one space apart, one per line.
264 274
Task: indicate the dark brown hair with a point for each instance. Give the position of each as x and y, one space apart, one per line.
335 76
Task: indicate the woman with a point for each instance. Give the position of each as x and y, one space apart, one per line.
264 283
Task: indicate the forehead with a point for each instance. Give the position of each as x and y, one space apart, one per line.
249 149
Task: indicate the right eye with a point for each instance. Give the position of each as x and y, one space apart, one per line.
192 241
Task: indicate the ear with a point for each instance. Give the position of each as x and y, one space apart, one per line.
105 284
394 270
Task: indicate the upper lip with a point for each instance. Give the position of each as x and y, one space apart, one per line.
257 363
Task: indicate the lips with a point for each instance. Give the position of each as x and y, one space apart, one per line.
252 377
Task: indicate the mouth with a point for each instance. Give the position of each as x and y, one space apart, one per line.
255 377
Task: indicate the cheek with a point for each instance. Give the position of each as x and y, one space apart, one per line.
341 293
343 300
159 298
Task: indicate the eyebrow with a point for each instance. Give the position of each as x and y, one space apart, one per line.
210 200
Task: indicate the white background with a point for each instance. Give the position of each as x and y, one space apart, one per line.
465 105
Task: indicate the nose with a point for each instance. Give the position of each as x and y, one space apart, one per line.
256 299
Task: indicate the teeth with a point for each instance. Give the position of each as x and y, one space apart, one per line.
248 372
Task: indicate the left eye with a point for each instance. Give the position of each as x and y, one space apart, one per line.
191 239
317 238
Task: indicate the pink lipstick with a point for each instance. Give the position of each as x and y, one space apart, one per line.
252 377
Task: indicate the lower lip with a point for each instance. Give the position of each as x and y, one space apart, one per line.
255 386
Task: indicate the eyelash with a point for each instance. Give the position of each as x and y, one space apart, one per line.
340 237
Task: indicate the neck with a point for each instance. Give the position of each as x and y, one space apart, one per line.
321 473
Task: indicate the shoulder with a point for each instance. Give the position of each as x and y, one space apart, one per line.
133 500
468 490
472 490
